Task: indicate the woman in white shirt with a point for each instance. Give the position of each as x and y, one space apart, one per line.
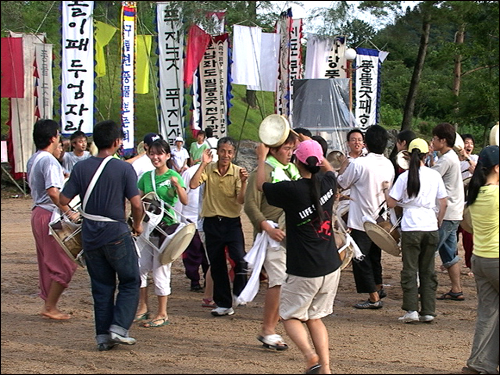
417 190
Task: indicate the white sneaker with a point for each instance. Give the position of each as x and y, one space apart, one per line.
426 318
409 317
119 339
221 311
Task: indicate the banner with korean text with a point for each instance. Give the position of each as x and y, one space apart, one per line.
77 67
215 86
129 16
367 87
171 72
283 95
44 83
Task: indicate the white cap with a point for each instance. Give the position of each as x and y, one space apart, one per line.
179 139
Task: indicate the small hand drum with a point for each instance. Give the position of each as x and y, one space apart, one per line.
274 130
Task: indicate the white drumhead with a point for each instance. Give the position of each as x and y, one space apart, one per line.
273 130
459 143
381 238
494 136
402 161
177 243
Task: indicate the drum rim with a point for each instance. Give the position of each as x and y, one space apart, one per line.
63 246
280 120
178 244
389 244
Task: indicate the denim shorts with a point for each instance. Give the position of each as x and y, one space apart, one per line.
447 246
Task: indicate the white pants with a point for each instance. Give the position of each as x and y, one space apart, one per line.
149 261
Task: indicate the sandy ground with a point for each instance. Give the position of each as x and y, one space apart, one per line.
361 341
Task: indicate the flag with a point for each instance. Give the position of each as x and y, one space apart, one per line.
12 68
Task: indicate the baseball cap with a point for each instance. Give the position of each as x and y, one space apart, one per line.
309 148
151 137
420 144
179 139
489 156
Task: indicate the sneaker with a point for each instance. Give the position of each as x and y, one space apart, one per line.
426 318
221 311
381 293
409 317
369 305
105 346
119 339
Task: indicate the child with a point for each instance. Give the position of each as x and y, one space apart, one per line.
169 186
79 145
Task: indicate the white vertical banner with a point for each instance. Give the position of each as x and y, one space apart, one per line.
336 63
296 71
171 72
77 67
367 87
128 76
44 80
213 71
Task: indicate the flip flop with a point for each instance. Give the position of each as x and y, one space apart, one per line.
314 369
451 296
140 317
153 324
273 341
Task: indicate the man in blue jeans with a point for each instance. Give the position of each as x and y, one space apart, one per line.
109 251
448 165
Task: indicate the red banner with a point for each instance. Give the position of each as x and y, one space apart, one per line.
12 68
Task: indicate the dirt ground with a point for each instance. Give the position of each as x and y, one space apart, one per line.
361 341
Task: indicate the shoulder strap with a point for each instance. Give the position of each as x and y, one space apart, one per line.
94 180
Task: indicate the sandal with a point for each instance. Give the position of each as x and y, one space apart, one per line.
153 323
451 296
274 341
139 317
207 302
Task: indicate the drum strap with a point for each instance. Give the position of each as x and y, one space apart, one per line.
89 191
163 203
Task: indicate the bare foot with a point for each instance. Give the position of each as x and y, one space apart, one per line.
55 314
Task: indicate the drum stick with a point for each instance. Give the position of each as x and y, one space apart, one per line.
294 132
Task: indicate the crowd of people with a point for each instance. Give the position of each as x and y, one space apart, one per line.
291 200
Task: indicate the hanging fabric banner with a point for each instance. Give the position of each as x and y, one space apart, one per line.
367 87
296 71
103 33
44 82
246 55
325 57
129 16
22 110
171 72
214 83
284 29
144 43
268 67
77 67
12 68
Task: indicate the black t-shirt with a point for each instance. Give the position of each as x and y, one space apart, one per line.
311 249
117 182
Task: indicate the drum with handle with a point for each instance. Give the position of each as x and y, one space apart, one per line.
403 159
335 159
69 235
170 241
274 130
384 235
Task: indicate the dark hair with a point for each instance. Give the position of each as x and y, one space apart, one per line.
413 185
467 135
106 133
209 132
477 180
322 142
315 192
304 131
355 130
43 131
161 146
376 138
201 132
227 140
77 134
406 135
445 131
